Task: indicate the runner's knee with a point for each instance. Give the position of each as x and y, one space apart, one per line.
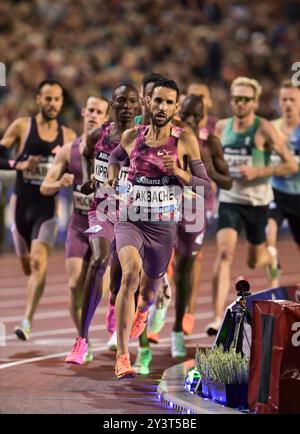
130 280
37 263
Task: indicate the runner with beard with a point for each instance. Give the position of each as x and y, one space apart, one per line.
247 141
286 189
65 171
34 229
189 244
100 143
157 153
157 312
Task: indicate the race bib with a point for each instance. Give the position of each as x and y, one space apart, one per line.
235 162
82 202
101 170
157 199
123 175
37 176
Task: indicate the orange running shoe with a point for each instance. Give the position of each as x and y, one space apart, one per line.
188 323
123 367
139 323
153 337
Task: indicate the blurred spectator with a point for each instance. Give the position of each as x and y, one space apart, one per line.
92 46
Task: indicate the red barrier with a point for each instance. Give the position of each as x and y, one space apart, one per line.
274 376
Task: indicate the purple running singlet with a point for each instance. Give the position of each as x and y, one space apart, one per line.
151 187
77 242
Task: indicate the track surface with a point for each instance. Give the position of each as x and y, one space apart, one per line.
33 376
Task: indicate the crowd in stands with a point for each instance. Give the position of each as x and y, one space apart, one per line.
90 46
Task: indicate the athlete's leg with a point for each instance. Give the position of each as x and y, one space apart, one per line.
38 263
182 278
92 290
76 271
195 282
272 232
25 262
226 245
131 264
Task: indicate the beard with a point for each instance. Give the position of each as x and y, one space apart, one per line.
242 114
159 123
47 116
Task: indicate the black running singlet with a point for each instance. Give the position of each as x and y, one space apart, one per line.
28 182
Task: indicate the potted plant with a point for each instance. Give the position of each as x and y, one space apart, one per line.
224 376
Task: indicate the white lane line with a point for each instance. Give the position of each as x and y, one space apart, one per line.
163 342
61 313
203 315
20 303
22 289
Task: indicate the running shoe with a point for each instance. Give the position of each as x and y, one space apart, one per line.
213 328
23 331
143 360
88 356
178 348
112 342
110 319
188 323
123 367
76 356
153 337
273 270
158 311
139 323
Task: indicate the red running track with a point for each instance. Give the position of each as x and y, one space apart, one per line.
34 378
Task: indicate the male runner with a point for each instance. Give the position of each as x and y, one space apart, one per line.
206 126
201 89
286 189
157 312
247 141
100 143
189 244
65 171
37 141
145 246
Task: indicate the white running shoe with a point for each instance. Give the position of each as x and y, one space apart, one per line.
22 331
158 311
178 348
274 270
112 342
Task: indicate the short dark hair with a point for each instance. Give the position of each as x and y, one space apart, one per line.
152 77
197 99
165 82
129 85
51 82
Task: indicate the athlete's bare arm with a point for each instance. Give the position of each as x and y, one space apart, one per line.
272 138
217 168
127 144
90 143
220 125
15 136
57 177
187 147
69 135
272 141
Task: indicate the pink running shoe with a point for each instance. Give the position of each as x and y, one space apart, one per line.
78 351
110 319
